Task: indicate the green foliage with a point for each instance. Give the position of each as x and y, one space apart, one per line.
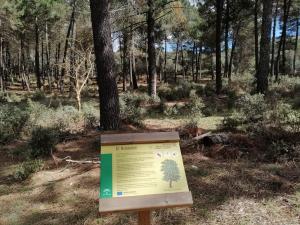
195 106
43 141
284 117
12 121
252 106
25 169
38 96
280 150
90 114
171 171
130 110
172 93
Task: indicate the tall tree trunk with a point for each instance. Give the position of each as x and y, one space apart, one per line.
219 7
274 38
37 56
125 60
256 7
226 38
1 66
176 61
133 67
234 40
193 61
281 46
182 62
151 49
263 69
63 70
108 90
287 6
48 57
165 63
296 46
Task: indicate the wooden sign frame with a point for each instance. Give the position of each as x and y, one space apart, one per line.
145 203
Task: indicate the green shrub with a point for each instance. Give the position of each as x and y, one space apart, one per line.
43 141
130 110
172 93
24 170
283 116
38 96
9 97
252 106
210 90
12 120
195 106
174 110
90 114
233 121
280 150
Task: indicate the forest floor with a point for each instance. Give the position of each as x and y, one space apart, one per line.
224 192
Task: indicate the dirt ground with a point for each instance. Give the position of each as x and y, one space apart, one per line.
232 192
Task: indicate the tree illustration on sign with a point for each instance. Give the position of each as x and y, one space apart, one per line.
171 171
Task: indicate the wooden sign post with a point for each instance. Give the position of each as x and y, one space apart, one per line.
142 172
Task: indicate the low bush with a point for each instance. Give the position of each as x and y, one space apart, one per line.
38 96
43 141
130 110
172 93
12 120
24 170
195 106
90 114
252 106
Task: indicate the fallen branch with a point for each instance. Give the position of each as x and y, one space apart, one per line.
194 140
82 162
68 159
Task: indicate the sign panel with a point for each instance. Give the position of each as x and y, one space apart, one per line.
141 169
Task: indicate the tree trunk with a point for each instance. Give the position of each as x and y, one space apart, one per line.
37 56
48 58
232 53
134 80
287 6
219 7
226 38
256 7
125 60
263 69
165 63
296 46
151 49
108 90
200 61
63 70
182 62
193 61
1 66
274 38
176 61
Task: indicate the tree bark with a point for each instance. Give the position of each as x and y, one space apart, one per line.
182 62
151 49
296 46
219 7
287 6
193 61
274 38
176 61
226 38
232 53
263 69
63 70
107 86
125 60
37 56
256 7
1 66
165 63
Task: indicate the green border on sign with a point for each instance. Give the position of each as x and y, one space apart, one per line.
106 190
